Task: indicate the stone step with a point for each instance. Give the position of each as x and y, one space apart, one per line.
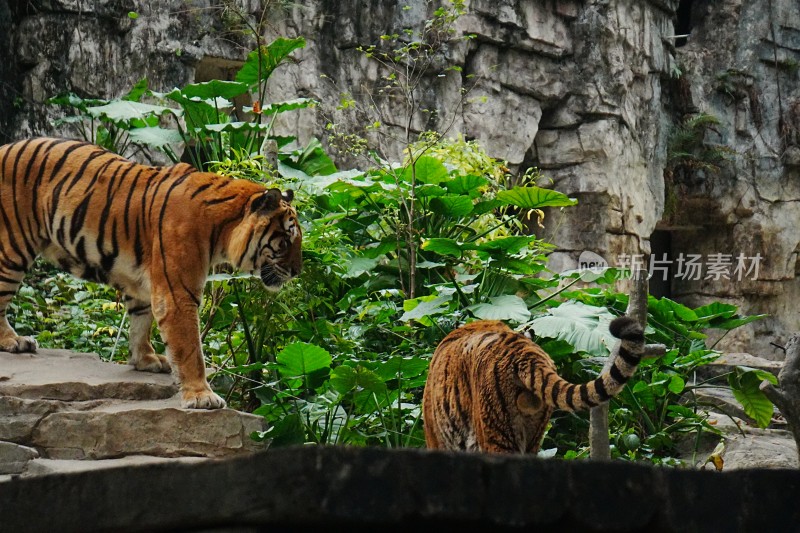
722 400
727 362
740 446
69 376
68 406
14 458
41 466
154 427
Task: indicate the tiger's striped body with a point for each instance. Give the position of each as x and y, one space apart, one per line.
151 232
492 389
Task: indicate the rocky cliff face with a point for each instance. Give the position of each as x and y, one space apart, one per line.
592 92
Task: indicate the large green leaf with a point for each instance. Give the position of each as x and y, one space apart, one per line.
347 378
715 310
671 312
451 206
443 246
288 105
73 100
137 91
419 308
287 431
261 63
313 160
583 326
199 112
235 126
124 110
317 184
155 136
535 198
645 394
428 191
426 169
404 367
745 384
735 322
302 358
508 245
505 307
486 206
360 265
208 90
468 184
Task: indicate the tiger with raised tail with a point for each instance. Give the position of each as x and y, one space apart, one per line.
491 389
153 233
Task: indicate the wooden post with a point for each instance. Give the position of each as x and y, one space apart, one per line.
599 447
786 396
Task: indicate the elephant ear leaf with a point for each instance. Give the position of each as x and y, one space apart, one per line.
583 326
262 62
535 198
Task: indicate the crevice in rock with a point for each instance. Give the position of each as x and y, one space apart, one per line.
661 261
683 22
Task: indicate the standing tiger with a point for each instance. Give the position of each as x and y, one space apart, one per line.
492 389
153 233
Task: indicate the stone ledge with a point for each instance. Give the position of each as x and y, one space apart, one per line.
41 467
75 406
142 428
300 488
69 376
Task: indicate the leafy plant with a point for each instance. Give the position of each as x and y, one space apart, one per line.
64 312
206 120
110 123
211 129
688 149
658 408
395 256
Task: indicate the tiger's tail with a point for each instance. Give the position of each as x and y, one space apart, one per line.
625 358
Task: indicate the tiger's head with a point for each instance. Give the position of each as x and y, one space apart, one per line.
268 240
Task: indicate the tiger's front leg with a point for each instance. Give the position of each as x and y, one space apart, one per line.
10 280
142 355
178 322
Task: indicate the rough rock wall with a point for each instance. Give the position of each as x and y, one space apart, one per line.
741 63
589 91
571 87
96 50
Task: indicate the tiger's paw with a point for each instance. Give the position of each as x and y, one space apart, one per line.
151 363
202 399
16 344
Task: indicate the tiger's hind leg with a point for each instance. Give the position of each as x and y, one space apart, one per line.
10 278
142 355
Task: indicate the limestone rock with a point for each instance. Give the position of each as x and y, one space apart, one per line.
728 361
19 417
742 446
158 428
589 91
69 406
69 376
14 457
41 467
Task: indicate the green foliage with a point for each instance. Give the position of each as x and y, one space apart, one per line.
205 119
658 408
64 312
688 149
109 123
395 256
745 383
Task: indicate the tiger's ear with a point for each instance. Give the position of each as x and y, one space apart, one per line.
269 201
288 195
